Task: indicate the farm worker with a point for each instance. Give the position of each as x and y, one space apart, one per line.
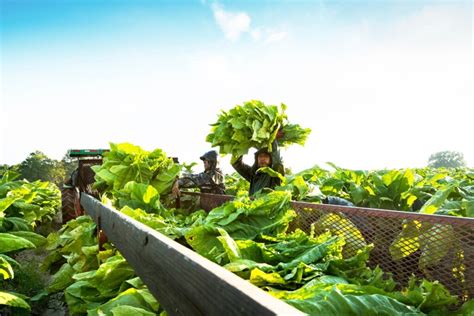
263 158
209 181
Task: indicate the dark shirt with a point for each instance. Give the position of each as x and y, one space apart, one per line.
260 180
209 181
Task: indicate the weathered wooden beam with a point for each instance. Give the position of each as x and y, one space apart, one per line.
184 282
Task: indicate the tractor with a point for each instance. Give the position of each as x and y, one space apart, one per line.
81 180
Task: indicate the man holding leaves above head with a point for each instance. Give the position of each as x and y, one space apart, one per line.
263 158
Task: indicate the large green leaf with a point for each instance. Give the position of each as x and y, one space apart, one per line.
127 310
435 244
273 173
109 276
61 279
340 225
139 195
9 242
407 242
294 134
154 221
6 202
469 206
425 295
312 255
204 240
9 224
6 270
436 200
240 265
142 192
165 178
467 309
130 298
34 238
335 303
13 300
260 278
230 246
82 296
358 193
104 174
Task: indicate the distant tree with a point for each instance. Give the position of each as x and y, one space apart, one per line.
447 159
37 166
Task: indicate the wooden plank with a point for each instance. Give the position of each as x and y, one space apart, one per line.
184 282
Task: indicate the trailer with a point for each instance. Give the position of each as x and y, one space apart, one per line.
186 283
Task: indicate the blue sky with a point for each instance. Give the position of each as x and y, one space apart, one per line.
381 83
28 24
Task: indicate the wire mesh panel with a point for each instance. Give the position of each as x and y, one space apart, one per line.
428 246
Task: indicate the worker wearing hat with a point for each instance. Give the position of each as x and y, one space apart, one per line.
211 180
263 158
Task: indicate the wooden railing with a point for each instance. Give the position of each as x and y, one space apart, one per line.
184 282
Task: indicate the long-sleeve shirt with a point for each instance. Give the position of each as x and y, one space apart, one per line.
260 180
209 181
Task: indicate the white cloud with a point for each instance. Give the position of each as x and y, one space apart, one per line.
233 24
273 37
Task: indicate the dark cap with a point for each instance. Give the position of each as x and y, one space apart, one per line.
210 156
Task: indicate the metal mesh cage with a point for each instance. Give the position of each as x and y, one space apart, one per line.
428 246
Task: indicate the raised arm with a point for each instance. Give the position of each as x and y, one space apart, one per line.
244 170
277 163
